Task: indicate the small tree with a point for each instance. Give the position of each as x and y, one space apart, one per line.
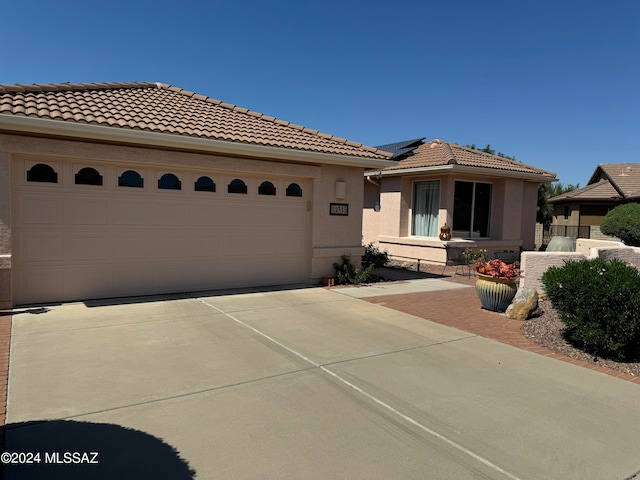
623 222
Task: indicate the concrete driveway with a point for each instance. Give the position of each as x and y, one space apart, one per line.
302 383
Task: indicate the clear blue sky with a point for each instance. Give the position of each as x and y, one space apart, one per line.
553 83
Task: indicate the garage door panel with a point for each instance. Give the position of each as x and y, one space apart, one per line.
240 241
203 214
40 247
129 245
131 278
40 209
129 212
206 245
42 285
85 246
206 275
87 282
292 242
169 276
168 213
80 242
237 215
86 211
293 216
169 245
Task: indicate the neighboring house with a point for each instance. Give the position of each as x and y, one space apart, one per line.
141 188
486 201
579 213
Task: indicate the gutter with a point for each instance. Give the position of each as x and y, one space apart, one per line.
455 168
84 131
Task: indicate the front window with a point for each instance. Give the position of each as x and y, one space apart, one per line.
426 205
472 210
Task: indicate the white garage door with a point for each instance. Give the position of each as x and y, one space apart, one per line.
83 231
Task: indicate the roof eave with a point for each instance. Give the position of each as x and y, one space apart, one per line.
41 126
454 168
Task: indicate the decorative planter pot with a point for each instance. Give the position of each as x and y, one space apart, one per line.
495 294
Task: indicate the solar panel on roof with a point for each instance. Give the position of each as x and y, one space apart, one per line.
400 149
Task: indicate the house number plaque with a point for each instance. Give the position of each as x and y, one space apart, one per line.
339 209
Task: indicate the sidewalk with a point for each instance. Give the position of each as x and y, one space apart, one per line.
460 308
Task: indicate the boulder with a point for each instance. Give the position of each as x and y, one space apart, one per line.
524 304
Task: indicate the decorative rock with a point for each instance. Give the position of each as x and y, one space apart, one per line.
524 304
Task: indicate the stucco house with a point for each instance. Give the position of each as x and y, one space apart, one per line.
120 189
485 201
579 213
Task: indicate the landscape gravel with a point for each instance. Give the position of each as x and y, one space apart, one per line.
547 330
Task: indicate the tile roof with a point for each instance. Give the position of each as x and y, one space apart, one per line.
436 153
610 181
161 108
625 177
602 190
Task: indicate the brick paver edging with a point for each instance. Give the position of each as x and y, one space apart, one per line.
461 309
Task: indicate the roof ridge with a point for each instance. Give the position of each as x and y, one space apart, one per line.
268 118
61 87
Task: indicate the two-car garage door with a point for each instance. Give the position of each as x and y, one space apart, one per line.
84 231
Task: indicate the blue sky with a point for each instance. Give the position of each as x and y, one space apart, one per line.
553 83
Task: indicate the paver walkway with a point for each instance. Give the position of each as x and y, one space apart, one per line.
460 308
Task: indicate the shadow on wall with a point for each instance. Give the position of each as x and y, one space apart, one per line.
67 450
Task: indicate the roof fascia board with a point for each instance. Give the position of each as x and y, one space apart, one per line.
465 169
20 124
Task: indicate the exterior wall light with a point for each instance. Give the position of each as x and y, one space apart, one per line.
341 190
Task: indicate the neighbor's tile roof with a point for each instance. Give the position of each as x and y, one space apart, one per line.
161 108
602 190
625 177
610 181
438 153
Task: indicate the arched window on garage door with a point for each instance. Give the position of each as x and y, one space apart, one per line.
131 178
266 188
237 186
169 182
205 184
42 173
294 190
88 176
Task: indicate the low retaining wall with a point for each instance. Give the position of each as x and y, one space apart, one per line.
534 264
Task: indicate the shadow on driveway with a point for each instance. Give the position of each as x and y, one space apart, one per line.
80 450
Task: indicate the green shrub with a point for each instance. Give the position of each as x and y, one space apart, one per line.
347 273
599 302
623 222
373 256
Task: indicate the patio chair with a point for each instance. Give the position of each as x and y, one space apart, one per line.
507 256
455 257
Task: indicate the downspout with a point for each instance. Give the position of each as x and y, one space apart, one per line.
376 206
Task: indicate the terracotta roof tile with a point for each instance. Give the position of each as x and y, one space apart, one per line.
625 177
439 153
602 190
166 109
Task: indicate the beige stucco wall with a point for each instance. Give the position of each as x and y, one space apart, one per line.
534 264
513 215
330 236
5 229
584 245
